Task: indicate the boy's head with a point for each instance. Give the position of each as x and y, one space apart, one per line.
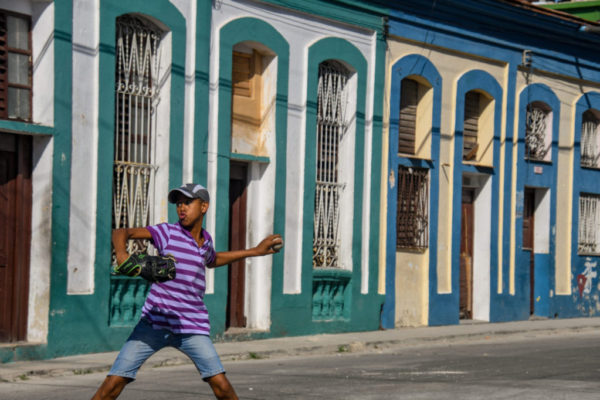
190 190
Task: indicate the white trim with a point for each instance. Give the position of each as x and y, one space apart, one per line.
482 246
41 240
189 9
541 229
84 159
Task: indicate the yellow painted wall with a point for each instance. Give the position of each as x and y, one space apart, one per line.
412 270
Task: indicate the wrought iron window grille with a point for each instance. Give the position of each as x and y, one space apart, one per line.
535 133
412 215
590 149
136 98
589 224
331 127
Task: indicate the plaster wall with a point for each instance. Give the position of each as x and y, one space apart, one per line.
412 293
481 249
41 242
84 161
300 31
542 227
261 178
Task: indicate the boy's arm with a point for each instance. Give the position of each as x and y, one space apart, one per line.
120 238
264 247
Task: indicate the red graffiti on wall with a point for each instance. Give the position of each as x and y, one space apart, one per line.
581 280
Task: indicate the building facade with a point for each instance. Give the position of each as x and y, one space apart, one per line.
491 174
423 162
270 104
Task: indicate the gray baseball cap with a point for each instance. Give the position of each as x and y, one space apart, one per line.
191 190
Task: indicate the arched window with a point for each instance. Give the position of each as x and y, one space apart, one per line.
538 132
590 146
332 124
136 97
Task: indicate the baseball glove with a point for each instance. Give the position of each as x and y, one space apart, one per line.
151 268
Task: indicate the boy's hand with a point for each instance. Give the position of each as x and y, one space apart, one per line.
269 245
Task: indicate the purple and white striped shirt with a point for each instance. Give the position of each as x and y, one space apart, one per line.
178 305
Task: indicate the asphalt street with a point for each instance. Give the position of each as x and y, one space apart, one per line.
525 366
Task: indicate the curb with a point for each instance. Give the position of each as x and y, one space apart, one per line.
372 341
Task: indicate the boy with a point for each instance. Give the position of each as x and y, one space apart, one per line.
174 313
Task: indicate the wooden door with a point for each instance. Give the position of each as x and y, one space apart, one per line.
237 240
15 235
466 254
528 235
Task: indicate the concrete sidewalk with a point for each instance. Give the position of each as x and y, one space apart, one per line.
307 345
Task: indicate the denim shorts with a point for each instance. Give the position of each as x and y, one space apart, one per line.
145 341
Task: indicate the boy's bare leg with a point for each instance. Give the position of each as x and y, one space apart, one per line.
221 387
111 388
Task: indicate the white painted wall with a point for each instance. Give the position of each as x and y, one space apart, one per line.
300 31
84 157
162 121
481 249
368 174
261 207
42 15
41 240
188 10
541 234
346 177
